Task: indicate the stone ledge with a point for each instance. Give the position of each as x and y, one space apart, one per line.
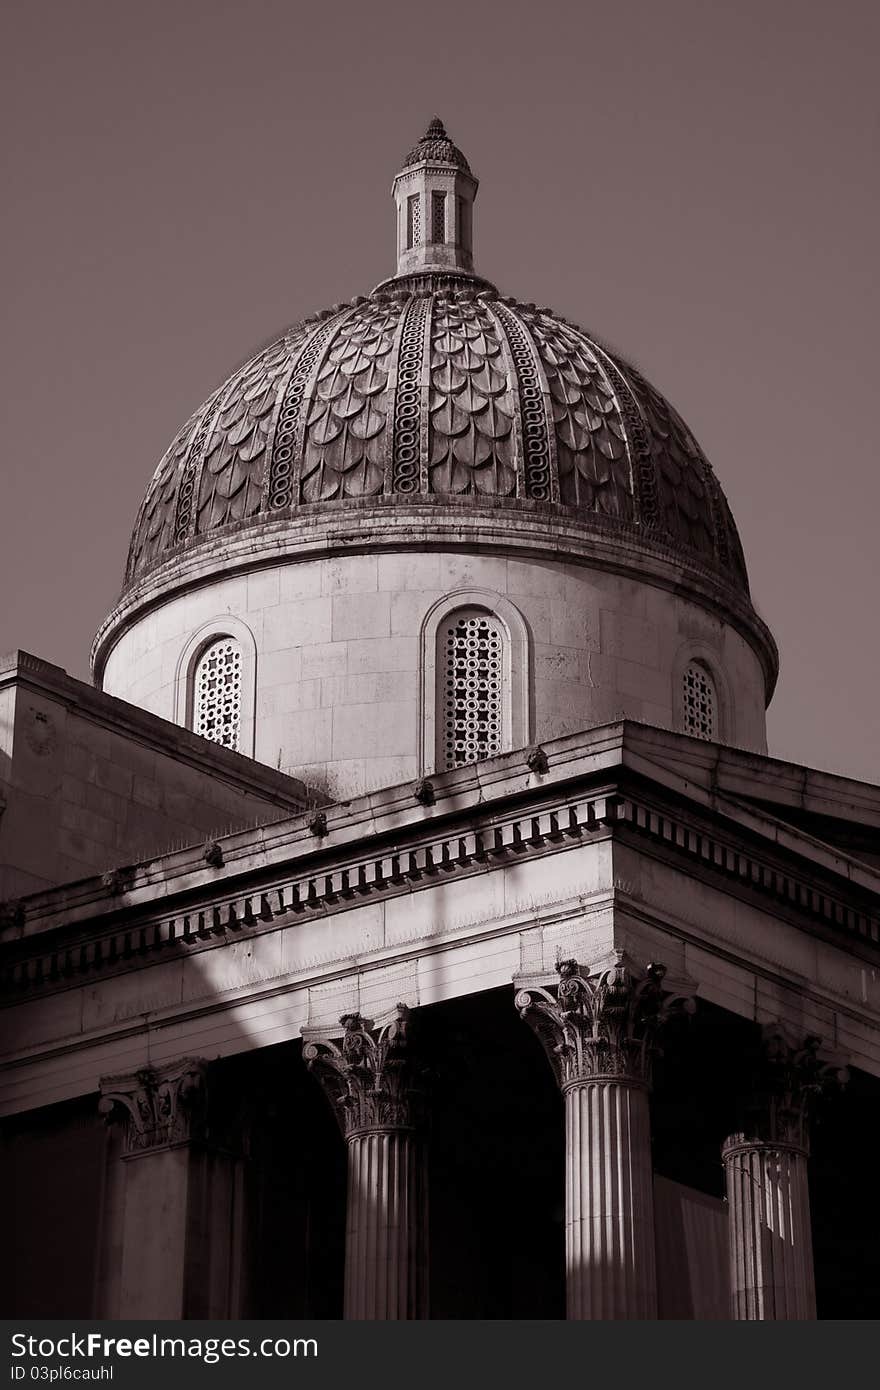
803 894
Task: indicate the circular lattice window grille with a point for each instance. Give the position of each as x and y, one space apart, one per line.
217 693
472 688
700 702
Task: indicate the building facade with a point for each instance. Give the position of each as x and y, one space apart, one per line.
411 922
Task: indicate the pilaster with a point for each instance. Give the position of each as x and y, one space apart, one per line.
178 1231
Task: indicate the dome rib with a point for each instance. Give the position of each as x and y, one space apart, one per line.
538 464
291 411
438 387
407 451
592 460
642 470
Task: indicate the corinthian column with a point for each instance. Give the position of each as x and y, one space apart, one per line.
598 1031
372 1081
765 1168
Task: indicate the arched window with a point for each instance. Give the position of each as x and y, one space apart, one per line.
475 690
700 702
473 695
217 693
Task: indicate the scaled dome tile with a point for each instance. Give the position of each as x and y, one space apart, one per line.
620 453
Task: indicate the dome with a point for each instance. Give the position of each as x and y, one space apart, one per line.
438 417
440 390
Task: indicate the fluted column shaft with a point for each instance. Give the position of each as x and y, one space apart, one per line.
765 1169
385 1236
598 1028
609 1202
771 1248
373 1081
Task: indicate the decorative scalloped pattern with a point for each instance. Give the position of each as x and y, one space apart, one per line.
345 437
231 483
594 470
511 402
435 145
734 561
683 499
183 517
470 403
154 528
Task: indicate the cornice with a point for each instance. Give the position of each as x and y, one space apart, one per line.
388 814
510 526
447 841
64 958
739 861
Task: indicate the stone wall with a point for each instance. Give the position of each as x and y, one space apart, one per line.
339 687
91 784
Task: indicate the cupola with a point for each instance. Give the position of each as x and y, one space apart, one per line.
434 194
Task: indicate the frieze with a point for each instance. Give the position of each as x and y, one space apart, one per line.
154 527
185 504
33 967
231 476
591 455
644 476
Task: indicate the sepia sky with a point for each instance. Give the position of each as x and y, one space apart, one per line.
695 183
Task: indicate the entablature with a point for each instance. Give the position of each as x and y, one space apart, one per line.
588 788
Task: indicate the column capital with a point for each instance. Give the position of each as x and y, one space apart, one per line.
601 1022
791 1072
159 1105
369 1072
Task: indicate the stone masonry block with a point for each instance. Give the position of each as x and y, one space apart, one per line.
361 615
300 624
350 574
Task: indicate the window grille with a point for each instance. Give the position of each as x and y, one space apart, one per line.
414 222
217 693
472 666
438 216
700 702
